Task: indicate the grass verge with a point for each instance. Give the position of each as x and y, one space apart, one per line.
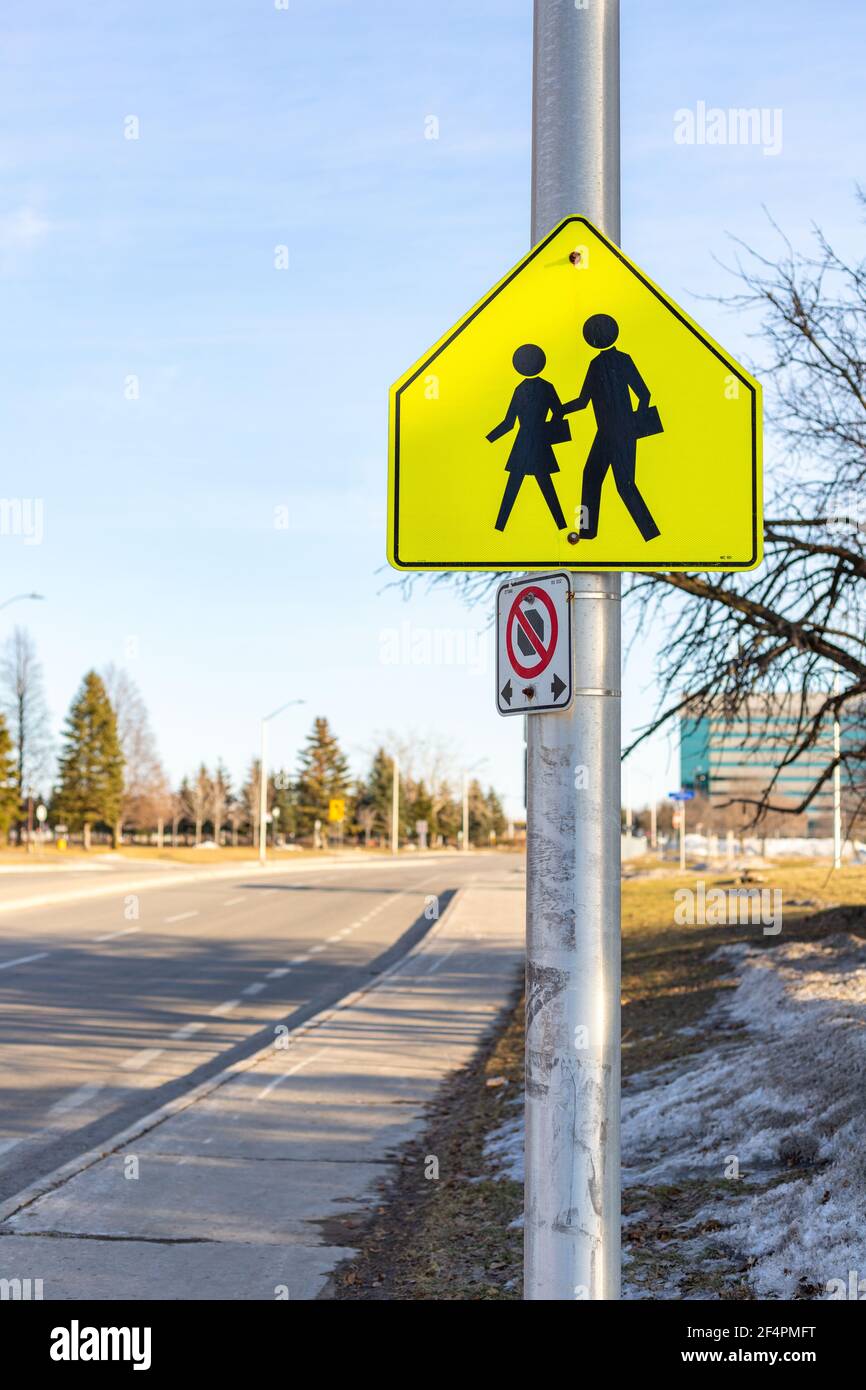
452 1238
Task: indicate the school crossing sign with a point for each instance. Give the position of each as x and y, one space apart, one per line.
575 417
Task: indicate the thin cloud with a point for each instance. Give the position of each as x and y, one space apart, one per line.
21 229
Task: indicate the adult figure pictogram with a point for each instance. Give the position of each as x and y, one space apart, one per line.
610 379
537 411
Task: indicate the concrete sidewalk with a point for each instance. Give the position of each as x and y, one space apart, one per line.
251 1187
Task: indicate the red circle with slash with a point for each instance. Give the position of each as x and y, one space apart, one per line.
516 614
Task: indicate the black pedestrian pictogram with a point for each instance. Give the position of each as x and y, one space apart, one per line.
532 456
610 378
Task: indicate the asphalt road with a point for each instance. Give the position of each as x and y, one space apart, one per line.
110 1007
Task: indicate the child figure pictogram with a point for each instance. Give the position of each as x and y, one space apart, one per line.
537 411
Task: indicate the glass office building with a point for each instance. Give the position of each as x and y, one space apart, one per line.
726 760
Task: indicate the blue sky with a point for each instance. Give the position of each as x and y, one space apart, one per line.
262 389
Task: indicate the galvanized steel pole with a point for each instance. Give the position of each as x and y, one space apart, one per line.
572 1235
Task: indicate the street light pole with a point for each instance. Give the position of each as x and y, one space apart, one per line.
17 597
395 808
263 780
572 1240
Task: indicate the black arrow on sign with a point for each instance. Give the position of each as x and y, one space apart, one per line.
506 692
557 686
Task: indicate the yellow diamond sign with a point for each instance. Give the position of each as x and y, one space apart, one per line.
575 417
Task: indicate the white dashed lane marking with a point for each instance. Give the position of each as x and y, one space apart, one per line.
233 902
74 1099
113 935
181 916
23 960
253 989
186 1031
142 1059
225 1008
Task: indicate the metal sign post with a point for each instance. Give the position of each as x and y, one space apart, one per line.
517 375
681 797
572 1231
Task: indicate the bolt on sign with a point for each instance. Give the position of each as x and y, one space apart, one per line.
576 417
337 809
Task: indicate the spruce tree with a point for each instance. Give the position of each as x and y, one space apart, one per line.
449 814
91 764
284 797
420 807
479 815
8 779
324 773
379 790
497 821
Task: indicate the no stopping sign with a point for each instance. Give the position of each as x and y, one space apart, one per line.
533 633
533 647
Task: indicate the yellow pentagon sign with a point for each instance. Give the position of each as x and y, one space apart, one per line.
337 809
575 417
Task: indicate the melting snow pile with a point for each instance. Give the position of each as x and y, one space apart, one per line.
797 847
779 1088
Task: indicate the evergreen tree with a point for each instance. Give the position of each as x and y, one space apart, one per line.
479 815
8 779
496 818
449 814
419 806
324 773
363 816
284 798
379 791
91 763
